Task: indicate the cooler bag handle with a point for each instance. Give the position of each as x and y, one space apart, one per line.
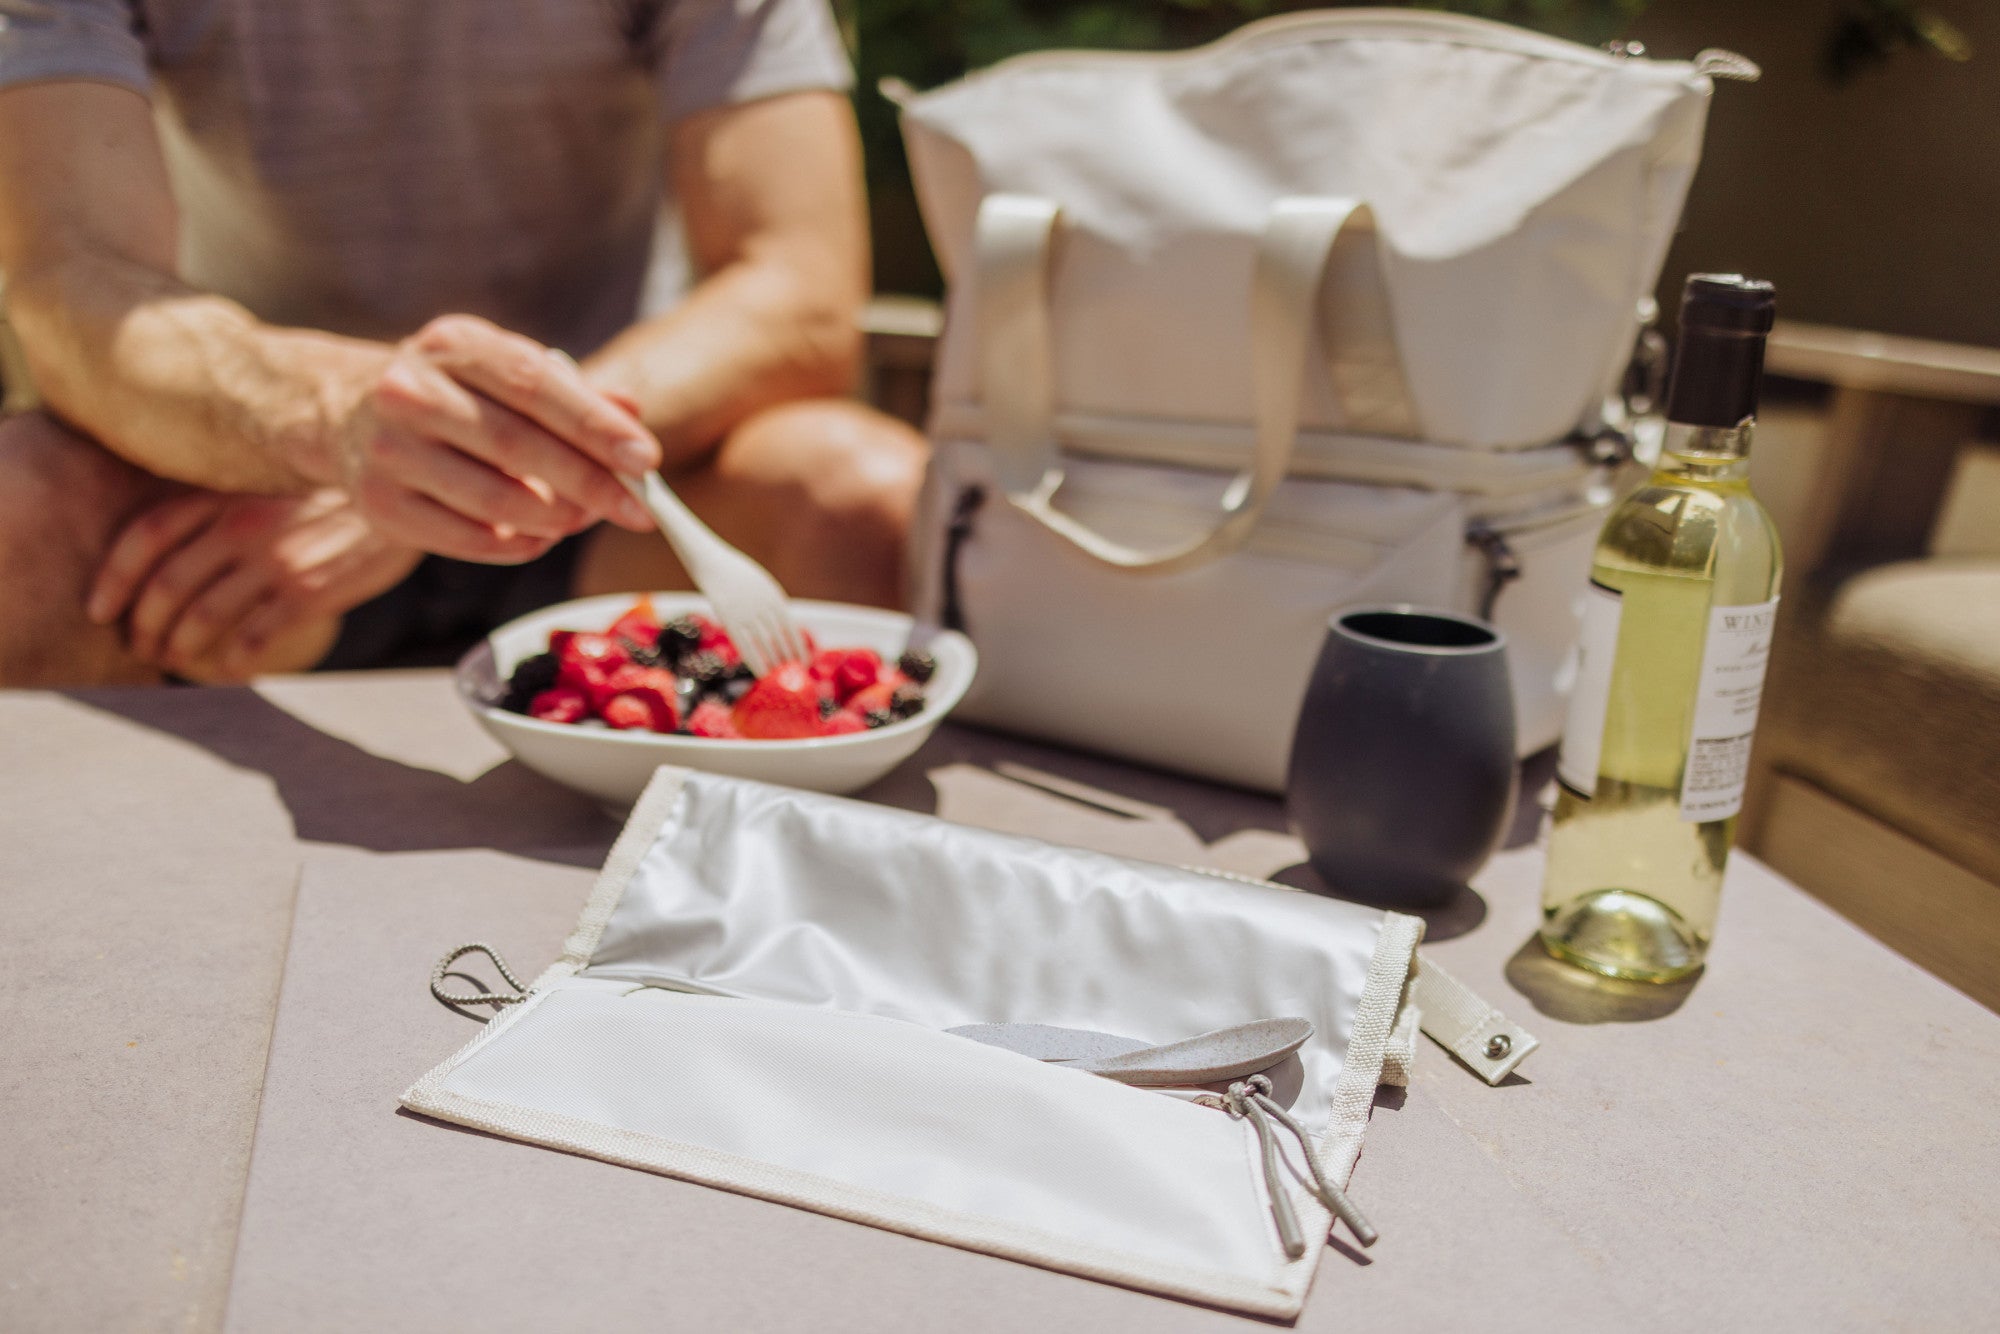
1013 238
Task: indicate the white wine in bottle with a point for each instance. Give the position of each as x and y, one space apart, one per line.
1676 634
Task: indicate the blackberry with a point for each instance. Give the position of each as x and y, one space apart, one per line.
907 702
828 706
531 677
736 687
679 637
705 669
647 655
917 664
878 718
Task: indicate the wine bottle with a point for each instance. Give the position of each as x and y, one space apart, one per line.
1676 634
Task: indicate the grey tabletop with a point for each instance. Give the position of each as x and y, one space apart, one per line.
220 908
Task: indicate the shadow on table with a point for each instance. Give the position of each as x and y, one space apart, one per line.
1577 996
1211 810
338 793
1457 915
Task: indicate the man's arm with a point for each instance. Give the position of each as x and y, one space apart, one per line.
776 223
88 235
465 439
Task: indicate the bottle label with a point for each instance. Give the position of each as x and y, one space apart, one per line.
1725 710
1590 696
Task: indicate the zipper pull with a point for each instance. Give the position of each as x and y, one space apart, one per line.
1502 565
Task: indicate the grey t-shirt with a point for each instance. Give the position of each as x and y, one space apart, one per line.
364 165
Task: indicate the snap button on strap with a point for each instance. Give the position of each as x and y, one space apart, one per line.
495 998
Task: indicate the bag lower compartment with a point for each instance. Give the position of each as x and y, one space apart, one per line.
1202 671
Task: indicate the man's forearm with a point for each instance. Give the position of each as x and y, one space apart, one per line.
756 333
185 384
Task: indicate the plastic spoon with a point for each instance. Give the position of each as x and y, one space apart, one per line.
1225 1053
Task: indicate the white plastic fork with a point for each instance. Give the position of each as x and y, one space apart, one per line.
746 600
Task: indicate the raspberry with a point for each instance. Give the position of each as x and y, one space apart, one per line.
785 703
860 669
560 705
826 662
711 718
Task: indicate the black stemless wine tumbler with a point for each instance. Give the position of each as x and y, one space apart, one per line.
1402 773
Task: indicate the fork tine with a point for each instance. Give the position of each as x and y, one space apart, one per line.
754 649
796 646
784 645
771 645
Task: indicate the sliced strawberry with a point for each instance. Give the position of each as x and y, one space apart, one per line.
582 646
842 723
585 662
644 708
783 703
631 676
640 625
586 676
711 718
713 636
656 685
558 704
870 699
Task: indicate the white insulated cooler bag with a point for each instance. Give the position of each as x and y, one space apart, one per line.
1329 313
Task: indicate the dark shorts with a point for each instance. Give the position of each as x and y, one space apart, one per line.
447 606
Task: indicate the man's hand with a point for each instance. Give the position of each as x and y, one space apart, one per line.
464 439
208 582
478 443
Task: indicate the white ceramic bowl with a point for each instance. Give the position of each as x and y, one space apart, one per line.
614 766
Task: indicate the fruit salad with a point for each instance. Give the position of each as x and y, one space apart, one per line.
687 677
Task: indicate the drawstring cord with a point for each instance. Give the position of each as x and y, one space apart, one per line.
493 998
1250 1099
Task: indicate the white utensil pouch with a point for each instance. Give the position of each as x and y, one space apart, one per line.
755 995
